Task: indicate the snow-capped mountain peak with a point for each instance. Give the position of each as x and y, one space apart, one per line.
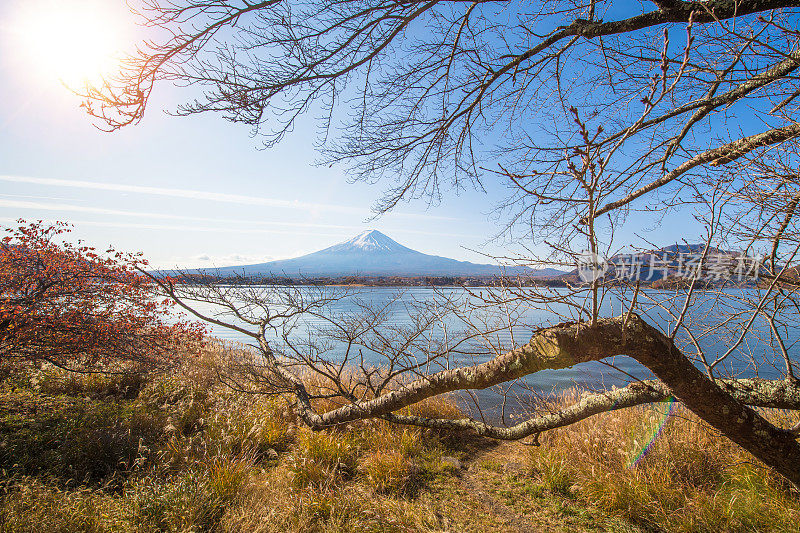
370 241
370 254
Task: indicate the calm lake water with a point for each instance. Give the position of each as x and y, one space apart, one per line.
753 358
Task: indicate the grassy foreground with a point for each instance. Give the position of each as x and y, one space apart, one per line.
182 452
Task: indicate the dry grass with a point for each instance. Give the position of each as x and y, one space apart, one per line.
390 472
185 453
690 478
188 454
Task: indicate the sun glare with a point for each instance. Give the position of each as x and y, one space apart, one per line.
77 42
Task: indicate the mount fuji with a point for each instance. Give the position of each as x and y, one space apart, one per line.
372 254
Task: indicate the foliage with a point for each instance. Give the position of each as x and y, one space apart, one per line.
73 439
77 308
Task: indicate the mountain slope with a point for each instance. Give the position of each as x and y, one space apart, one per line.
374 254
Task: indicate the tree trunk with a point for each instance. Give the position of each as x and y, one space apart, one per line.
776 447
566 345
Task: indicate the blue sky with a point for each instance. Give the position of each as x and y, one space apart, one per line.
194 191
228 202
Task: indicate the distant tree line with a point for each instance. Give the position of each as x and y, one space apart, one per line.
376 281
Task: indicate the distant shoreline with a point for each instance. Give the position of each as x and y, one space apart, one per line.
570 280
378 281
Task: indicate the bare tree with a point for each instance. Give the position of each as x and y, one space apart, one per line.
668 108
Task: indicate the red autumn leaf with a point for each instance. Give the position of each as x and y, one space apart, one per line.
78 310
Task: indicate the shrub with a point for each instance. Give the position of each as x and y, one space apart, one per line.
73 438
322 459
79 309
391 472
120 384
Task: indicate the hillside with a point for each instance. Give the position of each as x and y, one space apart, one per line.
374 254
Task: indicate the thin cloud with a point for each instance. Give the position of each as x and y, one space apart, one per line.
35 197
343 230
215 261
204 195
21 204
173 227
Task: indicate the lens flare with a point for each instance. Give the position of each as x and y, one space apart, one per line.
656 432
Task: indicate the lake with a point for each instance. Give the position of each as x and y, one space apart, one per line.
400 304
